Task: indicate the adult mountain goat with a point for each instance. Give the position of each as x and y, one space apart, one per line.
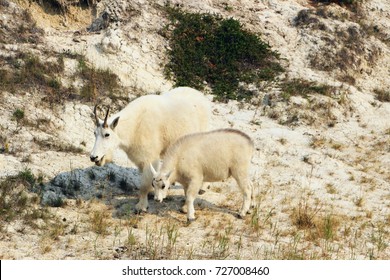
146 127
206 157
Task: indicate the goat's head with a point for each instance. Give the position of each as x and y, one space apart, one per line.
161 183
106 140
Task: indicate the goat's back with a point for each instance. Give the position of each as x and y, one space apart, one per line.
213 153
151 123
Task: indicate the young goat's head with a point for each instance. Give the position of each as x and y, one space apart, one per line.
161 183
106 140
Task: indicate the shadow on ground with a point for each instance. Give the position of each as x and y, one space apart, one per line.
116 186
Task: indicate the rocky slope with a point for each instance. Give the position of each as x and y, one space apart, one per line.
321 165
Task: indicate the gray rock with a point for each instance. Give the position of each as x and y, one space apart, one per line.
94 182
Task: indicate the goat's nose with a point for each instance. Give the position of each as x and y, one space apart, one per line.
93 158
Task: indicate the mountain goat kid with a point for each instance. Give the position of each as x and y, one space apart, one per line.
146 127
206 157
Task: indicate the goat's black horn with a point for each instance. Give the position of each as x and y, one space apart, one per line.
105 125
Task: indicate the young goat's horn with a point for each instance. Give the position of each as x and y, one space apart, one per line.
105 125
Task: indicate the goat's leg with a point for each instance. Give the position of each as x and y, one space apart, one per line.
145 189
184 207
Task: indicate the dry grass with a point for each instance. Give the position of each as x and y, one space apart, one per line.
382 95
330 188
100 222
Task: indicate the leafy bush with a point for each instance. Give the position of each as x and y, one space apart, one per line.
206 48
18 115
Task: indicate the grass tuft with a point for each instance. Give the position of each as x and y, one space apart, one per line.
99 222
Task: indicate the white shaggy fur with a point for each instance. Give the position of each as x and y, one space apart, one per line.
206 157
147 126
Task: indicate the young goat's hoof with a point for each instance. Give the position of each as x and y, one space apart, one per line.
200 192
139 211
183 210
240 216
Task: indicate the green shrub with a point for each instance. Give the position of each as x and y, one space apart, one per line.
27 177
207 48
18 115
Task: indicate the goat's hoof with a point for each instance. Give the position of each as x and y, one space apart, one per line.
200 192
139 210
190 220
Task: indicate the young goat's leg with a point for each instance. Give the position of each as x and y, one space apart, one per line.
191 193
247 191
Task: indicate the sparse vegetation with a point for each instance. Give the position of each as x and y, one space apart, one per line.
340 2
208 49
359 201
16 201
340 50
300 87
25 31
330 188
18 115
27 70
314 222
382 95
97 82
53 145
304 215
100 223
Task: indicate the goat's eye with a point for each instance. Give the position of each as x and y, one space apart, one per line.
106 135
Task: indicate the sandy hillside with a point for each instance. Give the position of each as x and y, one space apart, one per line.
321 166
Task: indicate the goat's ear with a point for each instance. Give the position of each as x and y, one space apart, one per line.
114 123
154 172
